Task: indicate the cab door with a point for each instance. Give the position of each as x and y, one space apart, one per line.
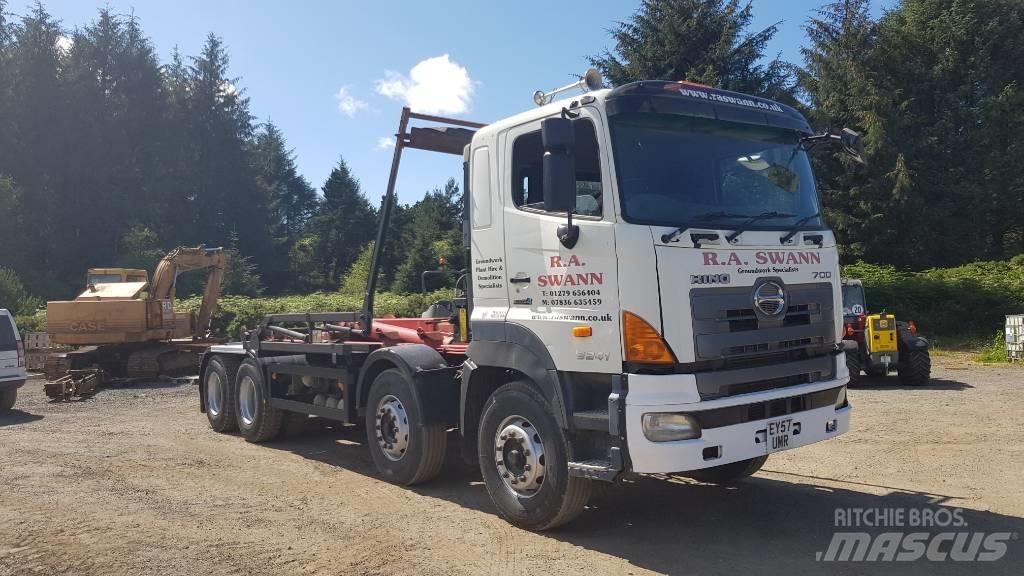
553 289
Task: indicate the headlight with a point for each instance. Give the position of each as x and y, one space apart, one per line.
669 426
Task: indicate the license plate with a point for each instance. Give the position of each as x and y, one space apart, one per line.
778 434
886 359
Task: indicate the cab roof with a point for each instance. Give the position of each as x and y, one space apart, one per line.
113 291
690 99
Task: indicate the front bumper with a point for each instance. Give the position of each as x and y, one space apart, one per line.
723 443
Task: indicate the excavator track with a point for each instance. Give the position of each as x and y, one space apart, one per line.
59 364
151 362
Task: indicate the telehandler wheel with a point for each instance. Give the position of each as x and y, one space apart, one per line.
405 450
729 473
219 393
915 368
524 460
853 365
257 421
7 398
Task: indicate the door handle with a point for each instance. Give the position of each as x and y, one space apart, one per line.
519 279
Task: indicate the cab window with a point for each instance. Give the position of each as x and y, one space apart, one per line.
528 170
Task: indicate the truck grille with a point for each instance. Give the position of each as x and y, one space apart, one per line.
742 352
725 324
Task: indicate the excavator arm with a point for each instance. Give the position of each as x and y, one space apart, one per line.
183 259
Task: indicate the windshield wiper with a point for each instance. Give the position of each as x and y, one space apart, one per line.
797 225
666 238
754 219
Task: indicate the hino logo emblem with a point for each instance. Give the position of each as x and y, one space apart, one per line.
770 299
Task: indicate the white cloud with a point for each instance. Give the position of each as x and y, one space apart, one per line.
348 104
64 43
384 142
436 85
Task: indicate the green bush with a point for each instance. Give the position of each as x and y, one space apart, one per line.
970 300
235 313
35 322
996 351
14 296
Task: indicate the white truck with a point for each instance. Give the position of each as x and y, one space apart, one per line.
650 288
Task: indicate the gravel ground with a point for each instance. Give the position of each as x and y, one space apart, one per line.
133 482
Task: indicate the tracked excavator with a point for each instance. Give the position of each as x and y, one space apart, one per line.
126 325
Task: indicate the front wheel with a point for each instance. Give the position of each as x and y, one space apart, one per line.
729 473
853 365
524 460
405 450
7 398
915 368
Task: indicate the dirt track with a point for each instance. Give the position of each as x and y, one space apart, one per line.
133 482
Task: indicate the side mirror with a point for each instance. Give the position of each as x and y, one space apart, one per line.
559 165
852 144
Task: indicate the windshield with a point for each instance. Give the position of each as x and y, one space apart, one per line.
103 278
685 171
853 300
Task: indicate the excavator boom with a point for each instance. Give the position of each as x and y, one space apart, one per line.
183 259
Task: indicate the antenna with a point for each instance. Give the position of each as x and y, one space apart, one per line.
589 81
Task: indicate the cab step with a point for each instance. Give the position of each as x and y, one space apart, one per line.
591 419
594 469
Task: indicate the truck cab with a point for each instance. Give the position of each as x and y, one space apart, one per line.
697 302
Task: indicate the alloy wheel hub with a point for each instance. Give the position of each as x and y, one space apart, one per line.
519 456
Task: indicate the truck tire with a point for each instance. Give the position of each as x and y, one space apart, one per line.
219 393
729 473
853 365
7 398
915 368
524 460
405 450
257 421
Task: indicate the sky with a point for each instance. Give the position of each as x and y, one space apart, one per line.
333 75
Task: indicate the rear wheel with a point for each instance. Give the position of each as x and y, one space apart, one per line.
219 393
524 460
729 473
7 398
257 420
915 368
405 450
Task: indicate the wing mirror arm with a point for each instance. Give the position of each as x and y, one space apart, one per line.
850 140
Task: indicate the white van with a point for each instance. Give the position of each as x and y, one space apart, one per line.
12 361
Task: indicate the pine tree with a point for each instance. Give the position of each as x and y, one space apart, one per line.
704 41
292 201
432 235
344 224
